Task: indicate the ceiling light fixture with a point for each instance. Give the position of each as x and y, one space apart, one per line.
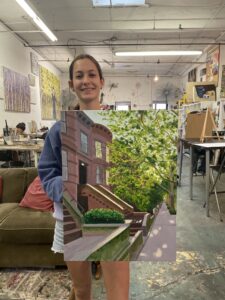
156 78
111 3
159 53
37 20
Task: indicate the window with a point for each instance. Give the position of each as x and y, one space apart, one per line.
99 175
84 142
159 105
98 149
107 154
123 105
107 177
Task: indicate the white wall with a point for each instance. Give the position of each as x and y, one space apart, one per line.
16 57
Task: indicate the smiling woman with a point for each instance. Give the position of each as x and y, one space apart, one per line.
86 80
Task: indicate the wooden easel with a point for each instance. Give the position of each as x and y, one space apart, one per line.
208 123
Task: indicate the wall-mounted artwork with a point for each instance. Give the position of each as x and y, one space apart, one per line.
50 95
203 74
192 75
34 64
17 91
222 91
212 65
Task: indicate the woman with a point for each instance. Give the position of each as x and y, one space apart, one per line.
86 80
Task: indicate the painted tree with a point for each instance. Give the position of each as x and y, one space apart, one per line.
143 155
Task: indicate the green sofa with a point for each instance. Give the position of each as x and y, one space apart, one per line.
25 234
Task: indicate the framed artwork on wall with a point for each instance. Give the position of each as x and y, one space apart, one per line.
222 91
17 91
50 95
212 65
192 75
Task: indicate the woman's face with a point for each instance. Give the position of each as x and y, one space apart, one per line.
86 81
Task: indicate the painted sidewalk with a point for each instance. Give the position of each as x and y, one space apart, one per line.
160 244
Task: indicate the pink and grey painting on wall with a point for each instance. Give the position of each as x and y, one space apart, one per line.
17 91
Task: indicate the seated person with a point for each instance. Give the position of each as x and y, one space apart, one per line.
198 161
20 129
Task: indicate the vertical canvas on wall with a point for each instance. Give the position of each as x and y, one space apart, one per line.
17 91
212 65
222 91
192 75
50 95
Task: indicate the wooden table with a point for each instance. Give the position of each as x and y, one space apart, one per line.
30 148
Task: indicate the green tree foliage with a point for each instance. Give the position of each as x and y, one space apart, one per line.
143 155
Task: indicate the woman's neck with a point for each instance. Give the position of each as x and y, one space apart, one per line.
90 106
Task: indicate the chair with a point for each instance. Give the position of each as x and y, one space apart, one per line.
219 167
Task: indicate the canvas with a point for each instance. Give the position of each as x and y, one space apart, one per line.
122 163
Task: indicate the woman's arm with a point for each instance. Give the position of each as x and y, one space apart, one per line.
50 164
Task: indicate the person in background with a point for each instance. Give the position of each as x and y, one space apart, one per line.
20 129
86 80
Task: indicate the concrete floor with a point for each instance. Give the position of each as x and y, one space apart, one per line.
199 271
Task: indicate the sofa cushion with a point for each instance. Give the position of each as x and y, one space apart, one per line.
14 184
36 197
6 209
27 226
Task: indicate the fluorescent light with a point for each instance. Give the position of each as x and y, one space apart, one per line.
37 20
159 53
118 3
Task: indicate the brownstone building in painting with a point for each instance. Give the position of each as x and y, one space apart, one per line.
85 163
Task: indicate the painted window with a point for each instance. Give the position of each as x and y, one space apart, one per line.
84 142
107 154
107 177
98 149
99 175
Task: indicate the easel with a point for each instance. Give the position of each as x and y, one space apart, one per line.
209 123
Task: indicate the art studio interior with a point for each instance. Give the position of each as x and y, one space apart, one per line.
154 55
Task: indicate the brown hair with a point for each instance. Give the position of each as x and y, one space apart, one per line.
21 126
83 56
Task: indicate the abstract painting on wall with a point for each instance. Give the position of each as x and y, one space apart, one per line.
50 95
17 91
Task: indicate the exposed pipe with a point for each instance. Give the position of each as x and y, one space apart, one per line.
127 45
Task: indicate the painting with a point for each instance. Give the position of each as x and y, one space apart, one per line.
203 74
50 95
212 65
222 91
116 182
192 75
17 91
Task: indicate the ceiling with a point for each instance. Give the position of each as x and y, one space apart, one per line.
82 28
